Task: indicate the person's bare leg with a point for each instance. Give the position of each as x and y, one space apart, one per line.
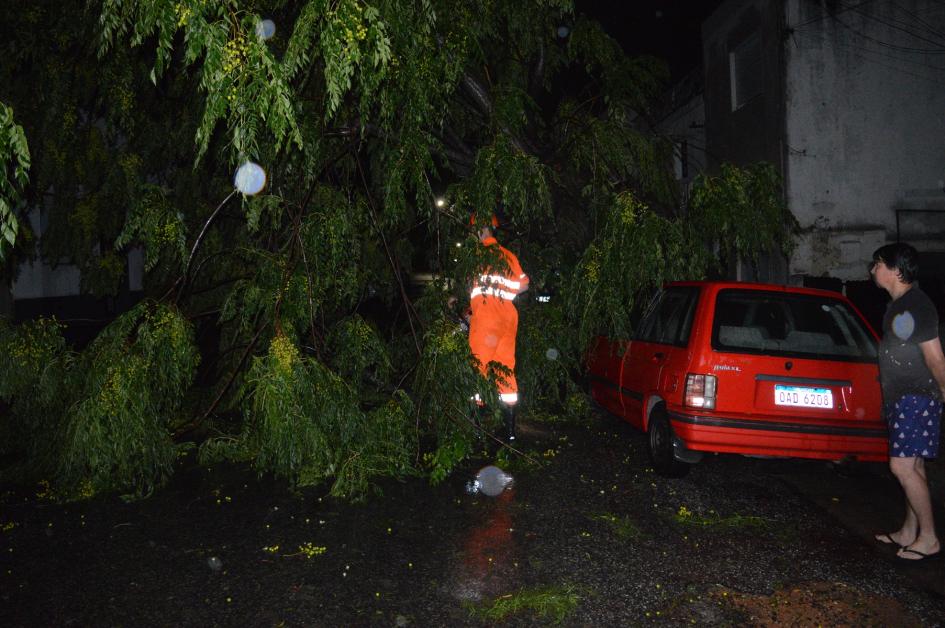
911 475
906 534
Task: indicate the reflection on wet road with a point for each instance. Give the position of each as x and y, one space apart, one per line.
486 564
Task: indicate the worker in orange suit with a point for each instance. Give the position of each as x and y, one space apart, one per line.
493 321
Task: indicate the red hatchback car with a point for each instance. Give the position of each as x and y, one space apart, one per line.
745 368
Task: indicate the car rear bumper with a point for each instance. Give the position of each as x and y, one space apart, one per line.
866 440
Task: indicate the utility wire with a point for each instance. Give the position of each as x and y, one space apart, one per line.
929 27
859 50
899 28
886 44
913 61
829 15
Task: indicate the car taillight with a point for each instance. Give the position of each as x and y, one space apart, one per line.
700 391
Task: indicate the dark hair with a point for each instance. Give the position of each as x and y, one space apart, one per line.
901 256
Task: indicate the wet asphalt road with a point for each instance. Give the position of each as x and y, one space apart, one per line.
222 547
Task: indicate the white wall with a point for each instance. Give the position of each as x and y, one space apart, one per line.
865 125
36 279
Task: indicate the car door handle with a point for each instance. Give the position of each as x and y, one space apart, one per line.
657 357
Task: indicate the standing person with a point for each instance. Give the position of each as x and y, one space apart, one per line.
493 321
912 374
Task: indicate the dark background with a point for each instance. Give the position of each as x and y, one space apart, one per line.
670 29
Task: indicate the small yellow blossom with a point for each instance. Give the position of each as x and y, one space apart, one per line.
311 550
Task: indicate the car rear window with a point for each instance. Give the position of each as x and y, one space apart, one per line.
785 324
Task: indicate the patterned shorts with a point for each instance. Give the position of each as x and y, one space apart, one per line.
914 422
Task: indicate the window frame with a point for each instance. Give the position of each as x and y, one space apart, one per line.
849 312
683 333
737 58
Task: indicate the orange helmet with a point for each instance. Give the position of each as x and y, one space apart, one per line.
472 220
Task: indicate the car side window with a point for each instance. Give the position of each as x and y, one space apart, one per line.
669 319
645 329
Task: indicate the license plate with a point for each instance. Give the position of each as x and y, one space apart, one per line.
803 396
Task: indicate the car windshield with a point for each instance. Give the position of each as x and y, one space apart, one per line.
785 324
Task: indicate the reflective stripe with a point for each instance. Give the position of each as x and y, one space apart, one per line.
508 398
492 292
503 281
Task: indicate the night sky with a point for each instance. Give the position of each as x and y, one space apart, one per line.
665 28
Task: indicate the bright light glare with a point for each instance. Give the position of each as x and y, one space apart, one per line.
250 178
492 480
440 201
459 245
265 29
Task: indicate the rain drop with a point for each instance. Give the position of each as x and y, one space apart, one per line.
265 29
551 353
563 31
492 480
250 178
903 325
214 563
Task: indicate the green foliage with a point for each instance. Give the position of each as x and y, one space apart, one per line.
304 424
635 252
155 224
319 364
743 211
503 172
547 356
245 86
686 517
552 604
14 165
98 421
118 428
624 527
444 383
357 353
37 377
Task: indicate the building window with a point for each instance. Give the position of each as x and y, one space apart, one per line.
744 63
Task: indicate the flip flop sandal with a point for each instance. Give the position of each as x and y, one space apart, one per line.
885 539
921 556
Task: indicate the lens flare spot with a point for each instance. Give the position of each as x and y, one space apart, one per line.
492 480
551 353
265 29
903 325
250 178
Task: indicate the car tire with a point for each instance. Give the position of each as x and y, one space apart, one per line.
660 436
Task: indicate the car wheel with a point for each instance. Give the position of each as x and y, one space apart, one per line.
660 434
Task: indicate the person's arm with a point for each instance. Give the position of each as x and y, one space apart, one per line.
524 283
935 360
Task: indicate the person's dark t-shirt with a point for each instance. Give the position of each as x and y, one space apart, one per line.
909 320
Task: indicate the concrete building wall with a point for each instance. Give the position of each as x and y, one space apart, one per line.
864 129
36 279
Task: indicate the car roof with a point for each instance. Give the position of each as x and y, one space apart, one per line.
715 286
